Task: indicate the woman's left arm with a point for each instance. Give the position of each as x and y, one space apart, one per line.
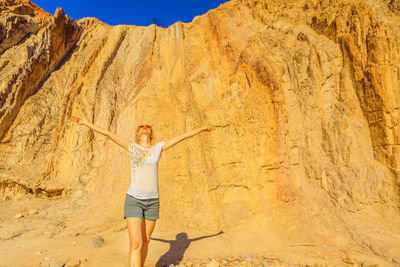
179 138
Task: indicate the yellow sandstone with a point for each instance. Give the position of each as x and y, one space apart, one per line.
304 97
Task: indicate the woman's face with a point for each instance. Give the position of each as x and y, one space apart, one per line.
144 130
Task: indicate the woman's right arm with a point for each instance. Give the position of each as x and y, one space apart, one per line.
123 142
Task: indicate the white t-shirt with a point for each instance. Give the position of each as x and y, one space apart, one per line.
144 170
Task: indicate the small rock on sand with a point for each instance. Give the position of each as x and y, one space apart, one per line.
56 263
96 242
53 263
18 215
32 212
73 263
213 263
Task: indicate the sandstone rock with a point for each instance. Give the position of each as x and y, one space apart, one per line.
32 212
18 215
213 263
303 96
73 263
55 263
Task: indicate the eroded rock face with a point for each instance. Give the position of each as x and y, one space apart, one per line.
305 95
33 44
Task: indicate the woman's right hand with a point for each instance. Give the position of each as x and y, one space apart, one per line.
80 121
207 128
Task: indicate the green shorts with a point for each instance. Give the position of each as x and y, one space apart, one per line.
141 208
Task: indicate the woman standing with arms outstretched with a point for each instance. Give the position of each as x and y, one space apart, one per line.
141 208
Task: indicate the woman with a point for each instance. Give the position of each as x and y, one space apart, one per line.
141 208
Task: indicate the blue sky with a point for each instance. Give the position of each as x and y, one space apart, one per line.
142 13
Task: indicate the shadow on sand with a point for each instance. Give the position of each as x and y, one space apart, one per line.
177 248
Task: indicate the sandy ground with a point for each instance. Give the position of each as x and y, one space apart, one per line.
54 233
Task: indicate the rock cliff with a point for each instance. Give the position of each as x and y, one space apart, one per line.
304 96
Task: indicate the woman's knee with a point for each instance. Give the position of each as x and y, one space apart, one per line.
136 244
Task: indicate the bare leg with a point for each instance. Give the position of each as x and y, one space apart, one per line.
145 247
135 230
149 227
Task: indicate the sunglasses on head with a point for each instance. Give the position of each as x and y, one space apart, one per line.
147 126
